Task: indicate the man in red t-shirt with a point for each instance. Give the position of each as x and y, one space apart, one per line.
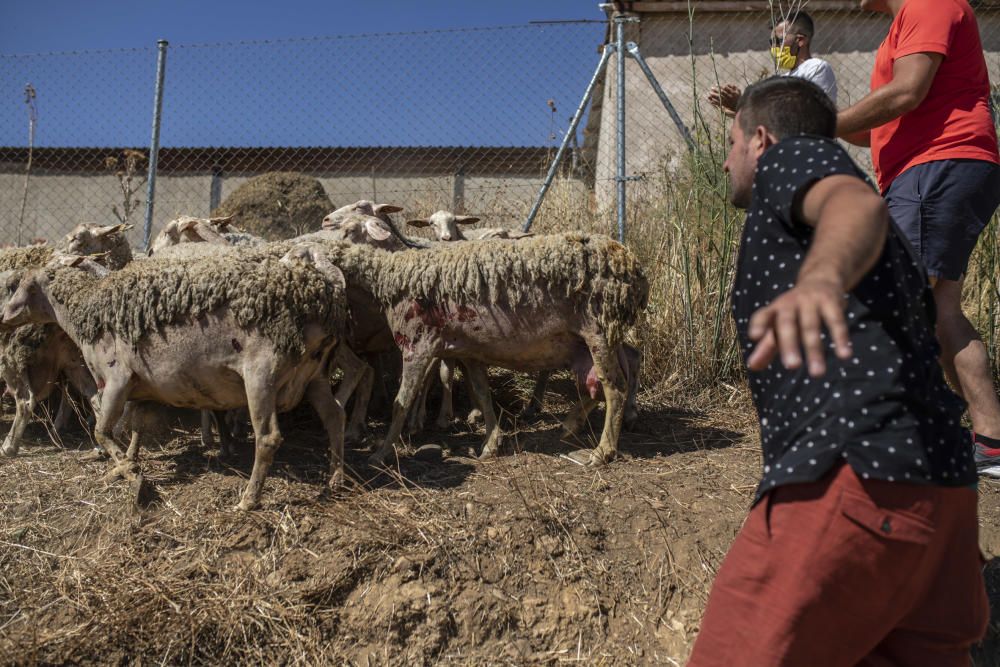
934 148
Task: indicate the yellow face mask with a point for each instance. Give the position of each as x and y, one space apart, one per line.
783 57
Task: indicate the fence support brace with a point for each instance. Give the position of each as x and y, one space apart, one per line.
630 49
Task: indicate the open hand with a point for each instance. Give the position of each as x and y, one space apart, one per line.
794 322
725 98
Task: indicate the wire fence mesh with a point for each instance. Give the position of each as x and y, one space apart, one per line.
467 120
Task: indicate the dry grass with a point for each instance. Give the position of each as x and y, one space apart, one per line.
527 559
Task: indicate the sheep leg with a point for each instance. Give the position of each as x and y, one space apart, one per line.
418 415
611 377
227 443
446 413
63 412
82 381
207 440
578 414
113 400
631 360
480 386
331 412
358 379
534 406
414 373
24 407
381 391
262 403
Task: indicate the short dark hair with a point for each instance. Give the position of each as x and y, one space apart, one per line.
802 23
787 106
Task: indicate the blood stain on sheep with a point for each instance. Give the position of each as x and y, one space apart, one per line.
465 314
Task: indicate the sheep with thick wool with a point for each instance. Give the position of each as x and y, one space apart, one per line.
34 359
215 333
548 302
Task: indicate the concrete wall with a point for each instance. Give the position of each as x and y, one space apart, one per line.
728 48
58 202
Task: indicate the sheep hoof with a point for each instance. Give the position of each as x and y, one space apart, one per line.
336 481
95 454
599 457
245 505
475 416
122 470
9 450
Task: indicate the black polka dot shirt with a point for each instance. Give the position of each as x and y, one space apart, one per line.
887 411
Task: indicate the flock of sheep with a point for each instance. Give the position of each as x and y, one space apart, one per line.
217 320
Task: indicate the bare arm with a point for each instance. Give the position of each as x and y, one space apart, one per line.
851 223
912 77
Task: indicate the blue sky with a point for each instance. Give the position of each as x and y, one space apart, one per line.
297 72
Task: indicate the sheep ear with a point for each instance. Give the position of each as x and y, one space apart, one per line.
418 223
387 208
376 230
69 260
466 219
111 229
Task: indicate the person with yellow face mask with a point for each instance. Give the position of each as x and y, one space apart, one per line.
790 56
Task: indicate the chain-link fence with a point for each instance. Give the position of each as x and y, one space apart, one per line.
458 119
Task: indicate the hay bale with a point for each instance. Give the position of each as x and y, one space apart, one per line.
277 205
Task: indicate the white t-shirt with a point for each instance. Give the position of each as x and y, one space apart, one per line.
819 72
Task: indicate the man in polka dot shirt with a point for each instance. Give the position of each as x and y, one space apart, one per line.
862 543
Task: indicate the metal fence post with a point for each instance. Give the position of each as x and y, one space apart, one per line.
620 122
154 146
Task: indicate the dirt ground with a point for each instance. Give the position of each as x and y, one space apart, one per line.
529 559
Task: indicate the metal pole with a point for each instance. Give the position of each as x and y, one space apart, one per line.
620 47
608 50
154 146
633 50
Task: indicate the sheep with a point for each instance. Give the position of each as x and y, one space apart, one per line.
554 301
217 231
244 330
368 333
446 227
33 358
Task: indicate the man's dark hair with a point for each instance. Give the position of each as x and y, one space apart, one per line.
787 106
801 22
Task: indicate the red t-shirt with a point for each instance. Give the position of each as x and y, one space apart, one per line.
954 120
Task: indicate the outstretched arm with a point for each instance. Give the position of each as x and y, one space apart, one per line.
912 76
851 223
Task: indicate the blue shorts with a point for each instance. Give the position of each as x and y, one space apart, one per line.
941 207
